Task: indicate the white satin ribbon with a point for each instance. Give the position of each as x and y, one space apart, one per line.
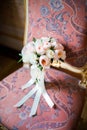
23 100
39 89
35 103
28 84
47 98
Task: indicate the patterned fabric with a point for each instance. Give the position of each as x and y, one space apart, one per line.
63 90
65 20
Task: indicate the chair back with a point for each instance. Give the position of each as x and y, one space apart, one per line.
64 20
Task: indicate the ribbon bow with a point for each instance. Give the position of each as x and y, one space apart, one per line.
37 78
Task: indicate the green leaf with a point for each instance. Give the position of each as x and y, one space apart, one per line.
20 54
52 48
36 80
40 67
34 39
20 60
38 55
50 39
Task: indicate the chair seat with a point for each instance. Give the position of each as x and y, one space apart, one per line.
63 90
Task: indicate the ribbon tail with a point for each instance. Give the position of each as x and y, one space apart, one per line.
21 102
28 84
48 99
35 104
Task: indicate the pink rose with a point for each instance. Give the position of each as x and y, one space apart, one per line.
60 54
44 61
47 45
59 46
40 50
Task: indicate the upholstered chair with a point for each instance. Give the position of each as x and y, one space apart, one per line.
65 20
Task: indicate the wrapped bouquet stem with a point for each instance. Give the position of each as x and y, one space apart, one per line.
78 72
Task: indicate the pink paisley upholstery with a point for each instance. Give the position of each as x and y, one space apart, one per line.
65 20
62 89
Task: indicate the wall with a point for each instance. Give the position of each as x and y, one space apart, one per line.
12 23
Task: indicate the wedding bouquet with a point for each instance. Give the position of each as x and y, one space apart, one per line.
39 54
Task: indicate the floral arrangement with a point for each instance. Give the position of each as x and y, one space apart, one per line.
39 54
42 51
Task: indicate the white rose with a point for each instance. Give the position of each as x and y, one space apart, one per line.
50 53
25 57
28 47
31 46
33 58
